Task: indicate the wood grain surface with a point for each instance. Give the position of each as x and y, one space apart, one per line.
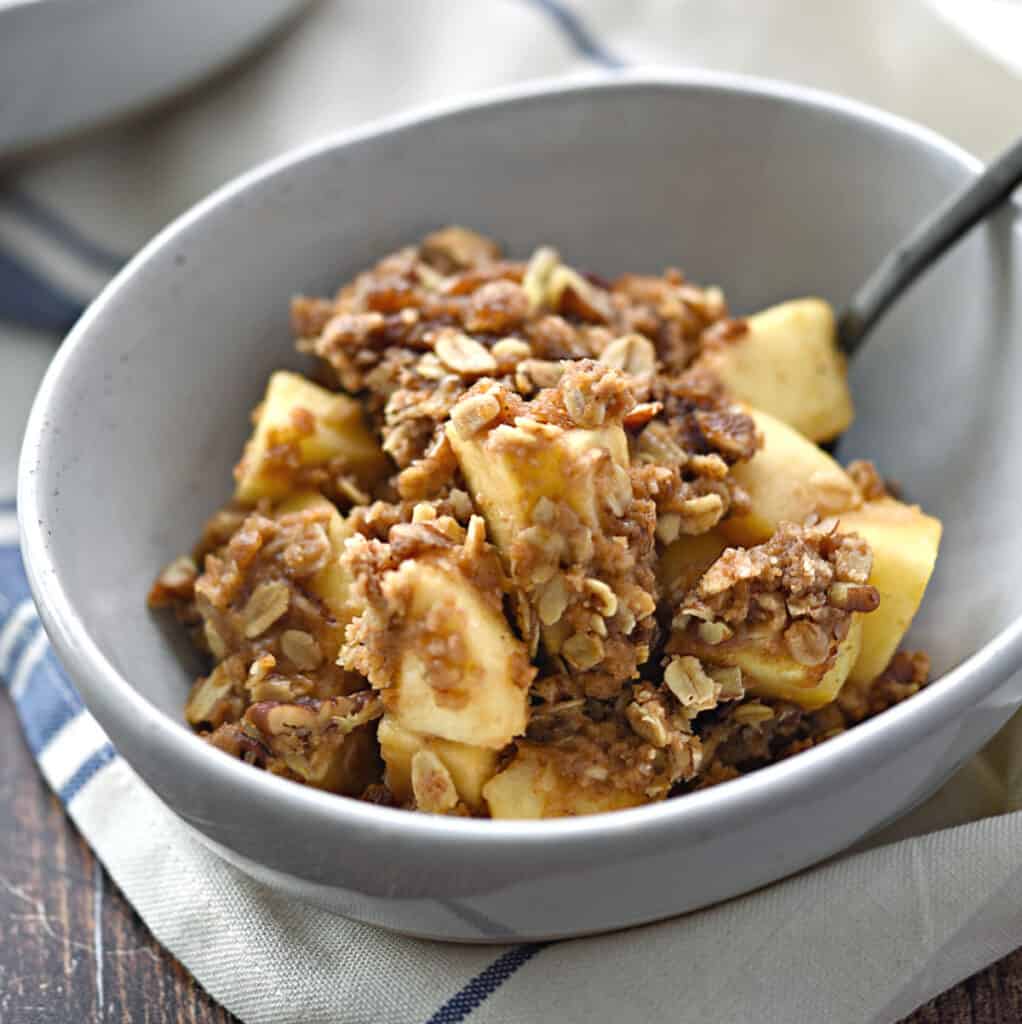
72 951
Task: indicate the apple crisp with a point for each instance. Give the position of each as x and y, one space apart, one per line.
527 543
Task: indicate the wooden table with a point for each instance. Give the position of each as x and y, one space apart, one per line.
72 951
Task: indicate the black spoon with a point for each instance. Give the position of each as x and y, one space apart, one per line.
926 245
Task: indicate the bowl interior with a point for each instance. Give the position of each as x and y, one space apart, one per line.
767 195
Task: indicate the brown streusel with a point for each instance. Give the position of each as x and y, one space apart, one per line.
538 443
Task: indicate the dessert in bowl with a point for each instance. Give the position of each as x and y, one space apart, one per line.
769 190
538 544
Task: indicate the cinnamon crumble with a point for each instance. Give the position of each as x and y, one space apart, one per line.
526 542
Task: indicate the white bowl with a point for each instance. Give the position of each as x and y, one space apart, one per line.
770 190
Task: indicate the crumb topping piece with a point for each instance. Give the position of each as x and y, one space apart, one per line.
786 612
329 744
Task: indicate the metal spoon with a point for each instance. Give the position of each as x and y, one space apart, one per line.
926 245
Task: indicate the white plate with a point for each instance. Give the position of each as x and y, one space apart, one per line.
67 65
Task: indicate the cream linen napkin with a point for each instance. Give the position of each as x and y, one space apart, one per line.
866 937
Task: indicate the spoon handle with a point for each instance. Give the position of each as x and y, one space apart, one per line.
926 244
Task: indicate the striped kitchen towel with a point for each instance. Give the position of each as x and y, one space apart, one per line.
864 938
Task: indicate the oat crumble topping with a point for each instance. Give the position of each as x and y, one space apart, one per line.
497 518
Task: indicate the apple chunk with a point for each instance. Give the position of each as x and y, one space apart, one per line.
486 704
769 670
332 584
470 767
548 494
904 542
299 424
684 560
788 479
434 641
507 480
787 613
532 787
788 364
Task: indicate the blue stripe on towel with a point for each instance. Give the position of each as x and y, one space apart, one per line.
100 759
22 639
484 984
26 298
13 585
48 703
577 32
41 217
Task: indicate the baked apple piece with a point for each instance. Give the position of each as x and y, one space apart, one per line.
787 480
788 364
432 638
469 767
458 668
332 583
904 541
298 426
531 786
551 476
787 613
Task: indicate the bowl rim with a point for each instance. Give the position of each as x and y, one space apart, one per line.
748 797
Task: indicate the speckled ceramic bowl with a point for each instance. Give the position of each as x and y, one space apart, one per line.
770 190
